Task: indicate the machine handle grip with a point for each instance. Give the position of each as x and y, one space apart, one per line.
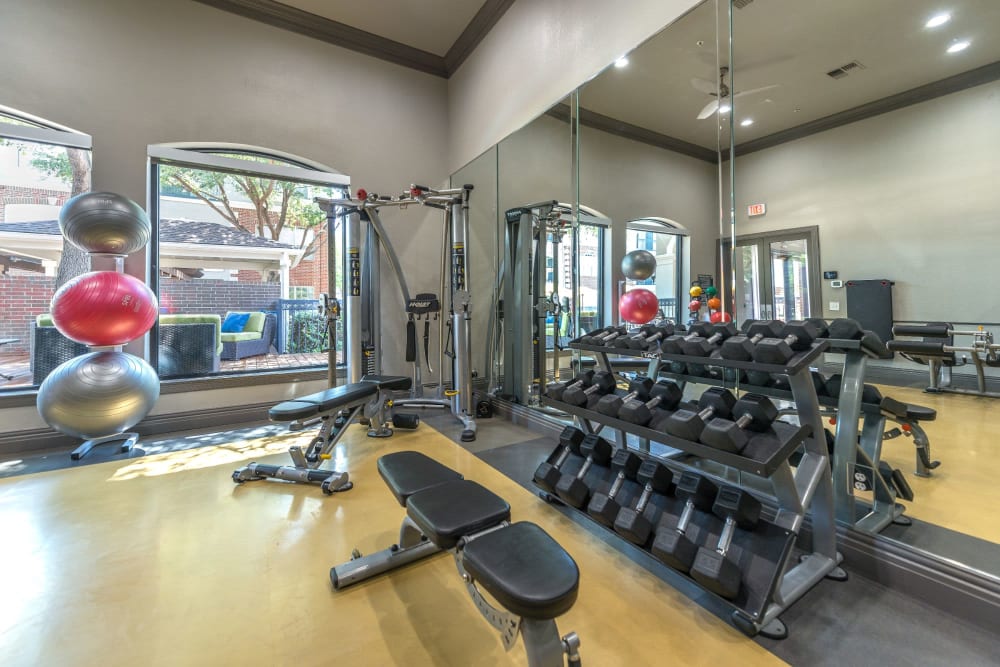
925 330
917 347
411 341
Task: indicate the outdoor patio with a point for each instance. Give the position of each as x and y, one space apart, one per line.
16 365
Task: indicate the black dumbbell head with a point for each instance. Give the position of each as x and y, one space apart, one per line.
799 335
728 435
557 389
669 394
845 328
548 474
736 503
737 348
571 488
602 380
610 404
688 424
604 507
633 524
822 328
700 490
717 573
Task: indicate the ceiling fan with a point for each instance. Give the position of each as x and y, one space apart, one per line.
720 92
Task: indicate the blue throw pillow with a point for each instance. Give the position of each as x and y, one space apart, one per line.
235 322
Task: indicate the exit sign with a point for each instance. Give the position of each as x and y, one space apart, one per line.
753 210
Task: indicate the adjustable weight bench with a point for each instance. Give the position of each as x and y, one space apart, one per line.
909 416
518 564
335 409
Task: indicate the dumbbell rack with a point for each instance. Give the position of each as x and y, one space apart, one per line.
846 448
771 581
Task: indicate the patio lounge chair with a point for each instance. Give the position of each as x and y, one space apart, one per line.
255 339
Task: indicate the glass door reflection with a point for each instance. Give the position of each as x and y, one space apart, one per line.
774 275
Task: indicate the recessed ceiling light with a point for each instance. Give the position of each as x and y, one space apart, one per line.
724 108
938 20
621 62
746 122
959 46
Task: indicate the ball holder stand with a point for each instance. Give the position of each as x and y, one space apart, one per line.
99 396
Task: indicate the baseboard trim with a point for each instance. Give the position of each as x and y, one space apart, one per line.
946 585
46 439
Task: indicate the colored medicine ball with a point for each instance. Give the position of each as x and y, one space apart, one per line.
638 306
104 308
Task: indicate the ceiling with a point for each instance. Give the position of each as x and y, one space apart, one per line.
792 44
429 25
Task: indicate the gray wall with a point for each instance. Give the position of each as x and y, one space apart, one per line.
138 73
911 196
626 179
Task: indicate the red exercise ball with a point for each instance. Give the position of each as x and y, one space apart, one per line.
639 306
104 308
718 316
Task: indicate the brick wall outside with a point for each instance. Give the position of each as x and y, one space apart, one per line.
216 296
21 195
22 298
312 272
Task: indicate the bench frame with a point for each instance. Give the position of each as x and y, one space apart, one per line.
307 462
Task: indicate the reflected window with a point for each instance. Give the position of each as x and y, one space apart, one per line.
663 238
42 165
243 255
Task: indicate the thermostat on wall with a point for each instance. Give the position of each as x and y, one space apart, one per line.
836 283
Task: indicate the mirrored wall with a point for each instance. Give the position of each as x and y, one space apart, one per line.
780 165
865 150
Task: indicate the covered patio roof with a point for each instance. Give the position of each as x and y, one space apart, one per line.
184 244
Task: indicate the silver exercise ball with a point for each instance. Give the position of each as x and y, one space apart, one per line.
103 222
639 265
98 394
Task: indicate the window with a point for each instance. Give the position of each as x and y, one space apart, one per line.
41 166
663 238
238 231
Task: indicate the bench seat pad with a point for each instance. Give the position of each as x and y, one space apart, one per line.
406 473
289 411
525 570
908 411
447 512
389 382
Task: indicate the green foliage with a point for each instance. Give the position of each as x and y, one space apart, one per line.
306 333
52 161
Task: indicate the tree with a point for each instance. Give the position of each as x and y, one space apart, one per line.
276 204
72 166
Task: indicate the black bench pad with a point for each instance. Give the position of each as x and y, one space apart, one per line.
447 512
389 382
907 411
289 411
406 473
525 570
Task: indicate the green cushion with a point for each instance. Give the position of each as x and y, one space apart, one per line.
243 335
255 323
183 318
44 320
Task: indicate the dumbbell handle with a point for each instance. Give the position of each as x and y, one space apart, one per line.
616 485
744 420
682 523
563 455
707 413
726 539
585 468
647 493
631 396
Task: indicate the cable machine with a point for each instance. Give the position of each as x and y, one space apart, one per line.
365 246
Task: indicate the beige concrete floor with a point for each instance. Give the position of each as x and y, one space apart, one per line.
162 560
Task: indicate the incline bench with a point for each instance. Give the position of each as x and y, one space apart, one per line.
518 564
336 409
